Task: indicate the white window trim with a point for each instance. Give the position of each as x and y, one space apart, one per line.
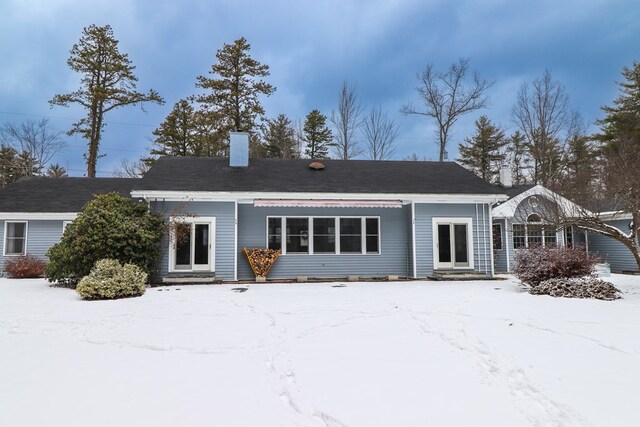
26 236
470 249
500 234
65 224
526 234
363 235
211 220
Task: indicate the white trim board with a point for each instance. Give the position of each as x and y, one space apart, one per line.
59 216
220 196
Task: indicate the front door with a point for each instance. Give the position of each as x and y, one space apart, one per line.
452 245
192 247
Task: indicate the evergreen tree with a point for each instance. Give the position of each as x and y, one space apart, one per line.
580 168
280 139
622 123
483 152
177 134
56 171
233 91
8 173
316 135
107 83
518 157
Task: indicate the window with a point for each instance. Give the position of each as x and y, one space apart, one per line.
15 241
274 232
568 236
324 235
497 237
65 224
533 233
372 235
351 235
297 235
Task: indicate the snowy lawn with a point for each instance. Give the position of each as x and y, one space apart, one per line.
367 354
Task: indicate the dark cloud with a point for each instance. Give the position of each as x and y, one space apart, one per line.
311 48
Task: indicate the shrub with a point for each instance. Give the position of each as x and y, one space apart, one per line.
109 226
110 280
584 287
537 264
24 267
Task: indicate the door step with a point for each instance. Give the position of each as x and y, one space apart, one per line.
189 278
459 275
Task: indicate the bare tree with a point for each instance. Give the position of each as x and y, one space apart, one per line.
380 132
347 121
131 169
542 114
36 140
448 95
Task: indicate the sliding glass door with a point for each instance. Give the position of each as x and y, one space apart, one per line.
452 244
192 246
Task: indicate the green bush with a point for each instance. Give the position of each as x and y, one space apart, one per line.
110 280
109 226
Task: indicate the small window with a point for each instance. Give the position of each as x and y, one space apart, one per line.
497 237
568 236
275 233
324 235
372 236
351 235
519 236
297 235
15 242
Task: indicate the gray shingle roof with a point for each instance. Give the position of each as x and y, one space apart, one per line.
41 194
338 176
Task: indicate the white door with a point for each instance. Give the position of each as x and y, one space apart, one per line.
452 244
192 247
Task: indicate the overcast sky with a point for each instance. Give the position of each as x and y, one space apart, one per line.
311 47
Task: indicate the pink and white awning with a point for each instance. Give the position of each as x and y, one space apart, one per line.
299 203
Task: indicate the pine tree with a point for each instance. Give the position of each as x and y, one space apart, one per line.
232 98
580 168
622 123
483 152
280 139
8 173
518 158
177 134
317 135
107 83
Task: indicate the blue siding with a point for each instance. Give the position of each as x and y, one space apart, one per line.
612 251
224 212
393 259
424 233
500 255
41 235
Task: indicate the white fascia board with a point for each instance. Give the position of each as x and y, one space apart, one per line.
63 216
614 215
508 208
244 197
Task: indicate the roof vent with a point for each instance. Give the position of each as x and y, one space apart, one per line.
318 166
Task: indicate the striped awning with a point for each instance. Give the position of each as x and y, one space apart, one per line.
298 203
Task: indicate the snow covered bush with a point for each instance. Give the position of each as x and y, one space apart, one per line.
582 287
109 226
24 267
110 280
537 264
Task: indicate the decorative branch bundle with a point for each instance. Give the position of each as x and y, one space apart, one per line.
261 260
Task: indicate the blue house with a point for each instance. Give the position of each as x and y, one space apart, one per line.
331 219
519 223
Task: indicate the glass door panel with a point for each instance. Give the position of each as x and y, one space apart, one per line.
183 246
444 245
461 251
201 246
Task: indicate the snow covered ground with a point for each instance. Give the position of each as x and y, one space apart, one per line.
366 354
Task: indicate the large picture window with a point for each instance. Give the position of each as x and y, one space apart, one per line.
533 233
324 235
15 240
